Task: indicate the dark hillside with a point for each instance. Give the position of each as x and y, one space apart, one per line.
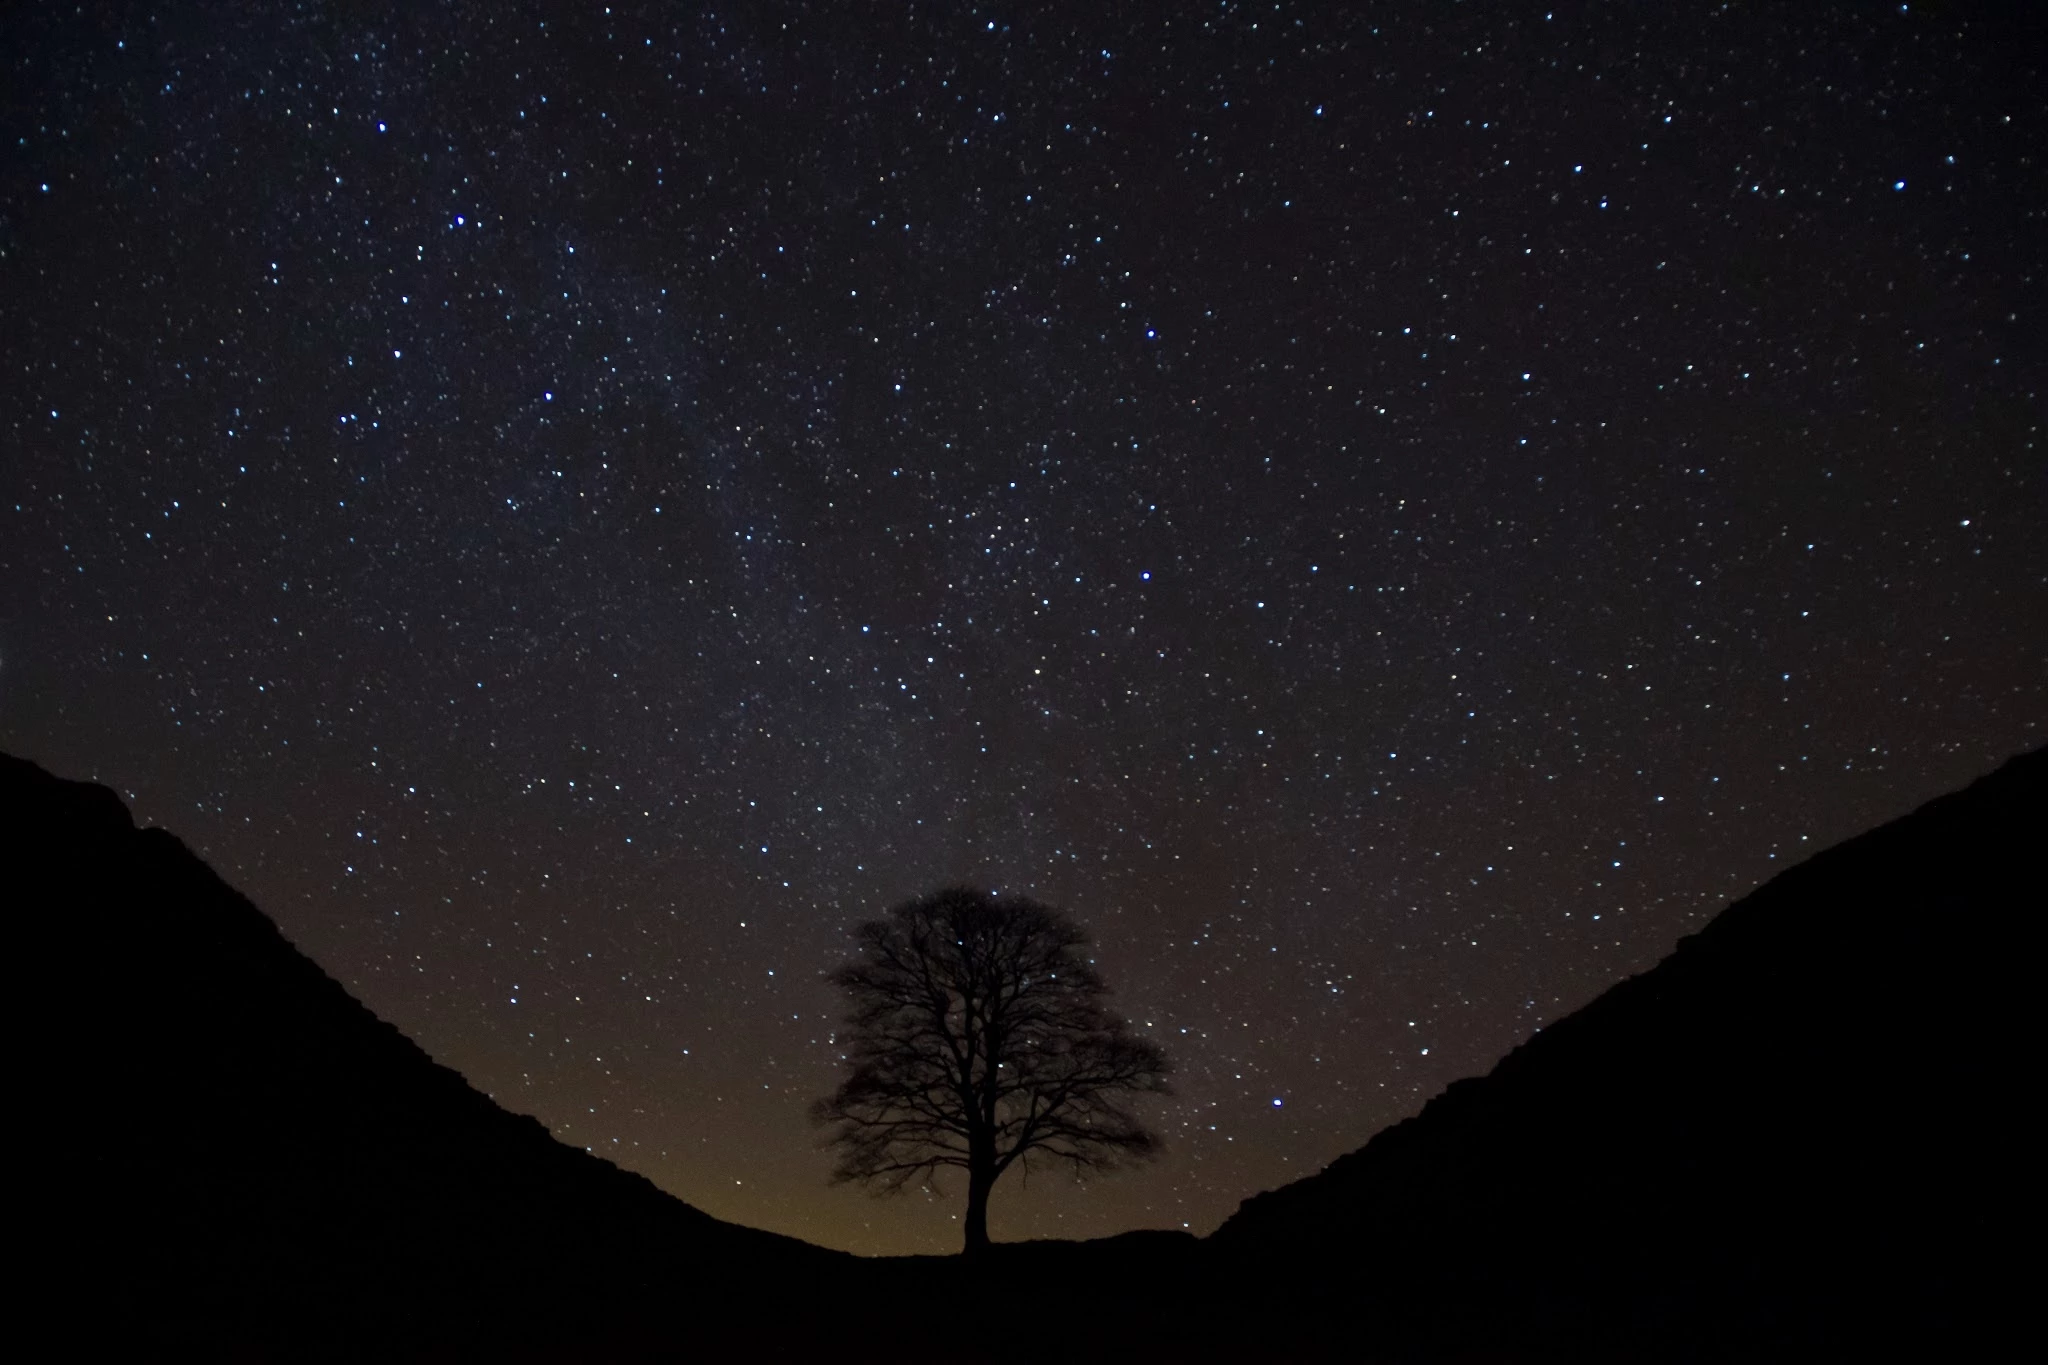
1802 1133
1799 1137
227 1151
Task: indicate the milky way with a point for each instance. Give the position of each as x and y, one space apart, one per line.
1392 514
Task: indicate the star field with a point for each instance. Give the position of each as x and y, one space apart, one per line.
1392 514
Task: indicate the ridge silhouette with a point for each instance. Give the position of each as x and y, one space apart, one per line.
1798 1137
254 1164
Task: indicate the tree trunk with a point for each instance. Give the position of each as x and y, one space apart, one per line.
981 1178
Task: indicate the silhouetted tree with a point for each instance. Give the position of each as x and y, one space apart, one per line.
979 1039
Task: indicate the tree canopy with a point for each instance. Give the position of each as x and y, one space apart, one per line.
979 1038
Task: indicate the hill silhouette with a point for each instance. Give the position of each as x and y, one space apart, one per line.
1800 1136
237 1158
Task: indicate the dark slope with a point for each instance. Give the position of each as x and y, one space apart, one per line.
1799 1137
1800 1134
229 1152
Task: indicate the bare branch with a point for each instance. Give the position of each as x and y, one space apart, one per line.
978 1035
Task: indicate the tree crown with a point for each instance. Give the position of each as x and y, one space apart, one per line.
979 1037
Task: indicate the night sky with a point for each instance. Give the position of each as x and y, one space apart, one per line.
1390 513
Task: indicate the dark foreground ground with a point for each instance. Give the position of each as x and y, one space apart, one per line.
1800 1137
